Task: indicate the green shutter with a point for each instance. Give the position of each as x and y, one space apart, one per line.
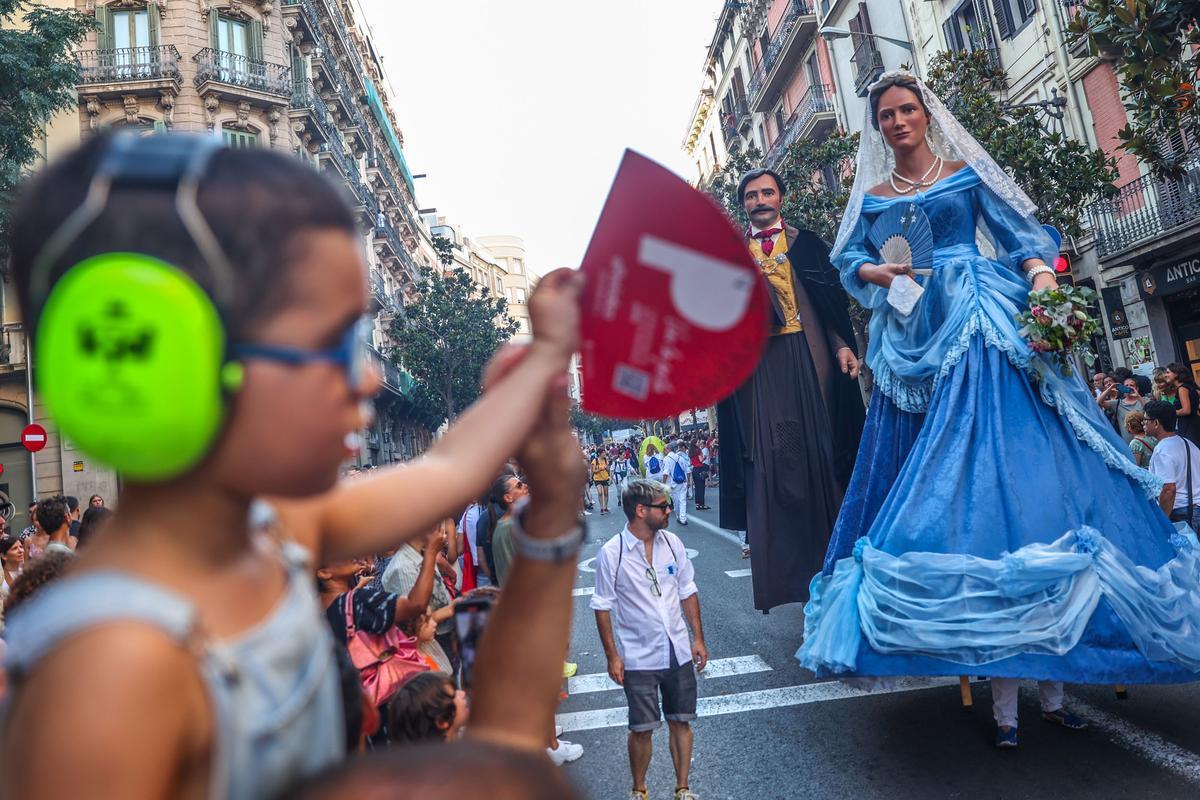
214 25
255 48
160 126
152 23
104 36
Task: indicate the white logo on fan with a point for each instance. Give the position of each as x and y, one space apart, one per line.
709 293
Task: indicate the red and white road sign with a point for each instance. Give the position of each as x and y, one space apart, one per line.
674 309
33 437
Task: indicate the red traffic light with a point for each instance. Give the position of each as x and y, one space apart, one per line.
1062 264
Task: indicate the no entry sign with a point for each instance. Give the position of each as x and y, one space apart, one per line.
674 310
33 437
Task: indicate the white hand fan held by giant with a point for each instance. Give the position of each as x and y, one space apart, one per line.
902 236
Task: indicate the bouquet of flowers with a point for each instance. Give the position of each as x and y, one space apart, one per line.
1058 325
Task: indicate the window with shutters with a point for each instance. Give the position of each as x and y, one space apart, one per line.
238 43
128 41
1012 15
969 28
239 139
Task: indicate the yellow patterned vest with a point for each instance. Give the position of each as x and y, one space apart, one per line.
778 271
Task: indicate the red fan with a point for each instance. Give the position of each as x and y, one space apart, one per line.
674 311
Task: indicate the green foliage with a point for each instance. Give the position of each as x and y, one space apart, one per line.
37 79
1157 43
445 250
1059 174
592 428
446 337
818 175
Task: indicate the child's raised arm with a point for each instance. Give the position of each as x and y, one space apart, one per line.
378 512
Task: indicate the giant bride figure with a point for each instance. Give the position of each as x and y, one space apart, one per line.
995 523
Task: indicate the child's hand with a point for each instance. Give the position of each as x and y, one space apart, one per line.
554 313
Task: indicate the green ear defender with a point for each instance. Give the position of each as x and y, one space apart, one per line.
130 350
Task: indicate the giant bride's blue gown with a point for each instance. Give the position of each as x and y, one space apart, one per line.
995 519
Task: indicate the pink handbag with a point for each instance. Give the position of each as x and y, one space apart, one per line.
384 661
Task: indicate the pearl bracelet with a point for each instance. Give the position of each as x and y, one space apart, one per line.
1038 269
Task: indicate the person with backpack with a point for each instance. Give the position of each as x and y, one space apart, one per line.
677 467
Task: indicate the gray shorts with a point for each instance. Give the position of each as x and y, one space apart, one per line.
678 687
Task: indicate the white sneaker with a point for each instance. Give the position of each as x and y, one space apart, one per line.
564 752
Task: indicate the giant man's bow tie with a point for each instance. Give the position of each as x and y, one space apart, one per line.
767 237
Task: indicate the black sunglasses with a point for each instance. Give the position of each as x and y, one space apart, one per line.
663 506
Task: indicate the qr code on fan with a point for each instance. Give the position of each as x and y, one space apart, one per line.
631 382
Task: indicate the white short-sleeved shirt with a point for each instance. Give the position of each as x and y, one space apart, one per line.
646 624
466 524
1169 462
669 468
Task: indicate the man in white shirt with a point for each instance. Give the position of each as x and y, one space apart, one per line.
1176 461
645 579
677 466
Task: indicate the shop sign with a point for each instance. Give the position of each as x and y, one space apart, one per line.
1114 309
1168 279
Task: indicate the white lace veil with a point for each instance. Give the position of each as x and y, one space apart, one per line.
947 138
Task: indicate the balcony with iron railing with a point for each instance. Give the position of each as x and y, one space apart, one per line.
1145 209
813 116
245 76
324 60
387 239
392 376
868 65
128 69
795 30
309 109
12 347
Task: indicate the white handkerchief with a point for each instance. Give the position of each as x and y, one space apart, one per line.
904 294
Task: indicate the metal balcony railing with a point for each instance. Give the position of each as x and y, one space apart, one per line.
1145 208
234 70
868 64
128 64
12 346
817 100
305 98
795 10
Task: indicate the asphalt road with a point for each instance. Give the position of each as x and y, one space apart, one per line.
768 729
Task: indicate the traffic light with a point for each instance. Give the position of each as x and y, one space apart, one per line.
1062 270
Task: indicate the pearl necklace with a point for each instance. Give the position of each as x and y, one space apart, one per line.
919 183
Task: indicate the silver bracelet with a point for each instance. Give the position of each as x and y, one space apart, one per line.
557 550
1039 269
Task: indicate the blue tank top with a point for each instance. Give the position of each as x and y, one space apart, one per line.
274 688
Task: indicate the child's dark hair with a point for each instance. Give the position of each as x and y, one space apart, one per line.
93 519
256 201
421 710
51 513
38 573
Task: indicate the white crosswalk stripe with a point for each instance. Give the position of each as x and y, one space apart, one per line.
750 701
583 591
739 573
718 668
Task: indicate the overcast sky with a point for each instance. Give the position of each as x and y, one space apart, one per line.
519 110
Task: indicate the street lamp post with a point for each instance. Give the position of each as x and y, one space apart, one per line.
829 32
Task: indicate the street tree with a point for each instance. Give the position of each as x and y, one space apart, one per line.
446 336
37 78
818 175
1155 47
1061 175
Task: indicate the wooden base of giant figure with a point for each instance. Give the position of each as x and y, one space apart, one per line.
789 434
